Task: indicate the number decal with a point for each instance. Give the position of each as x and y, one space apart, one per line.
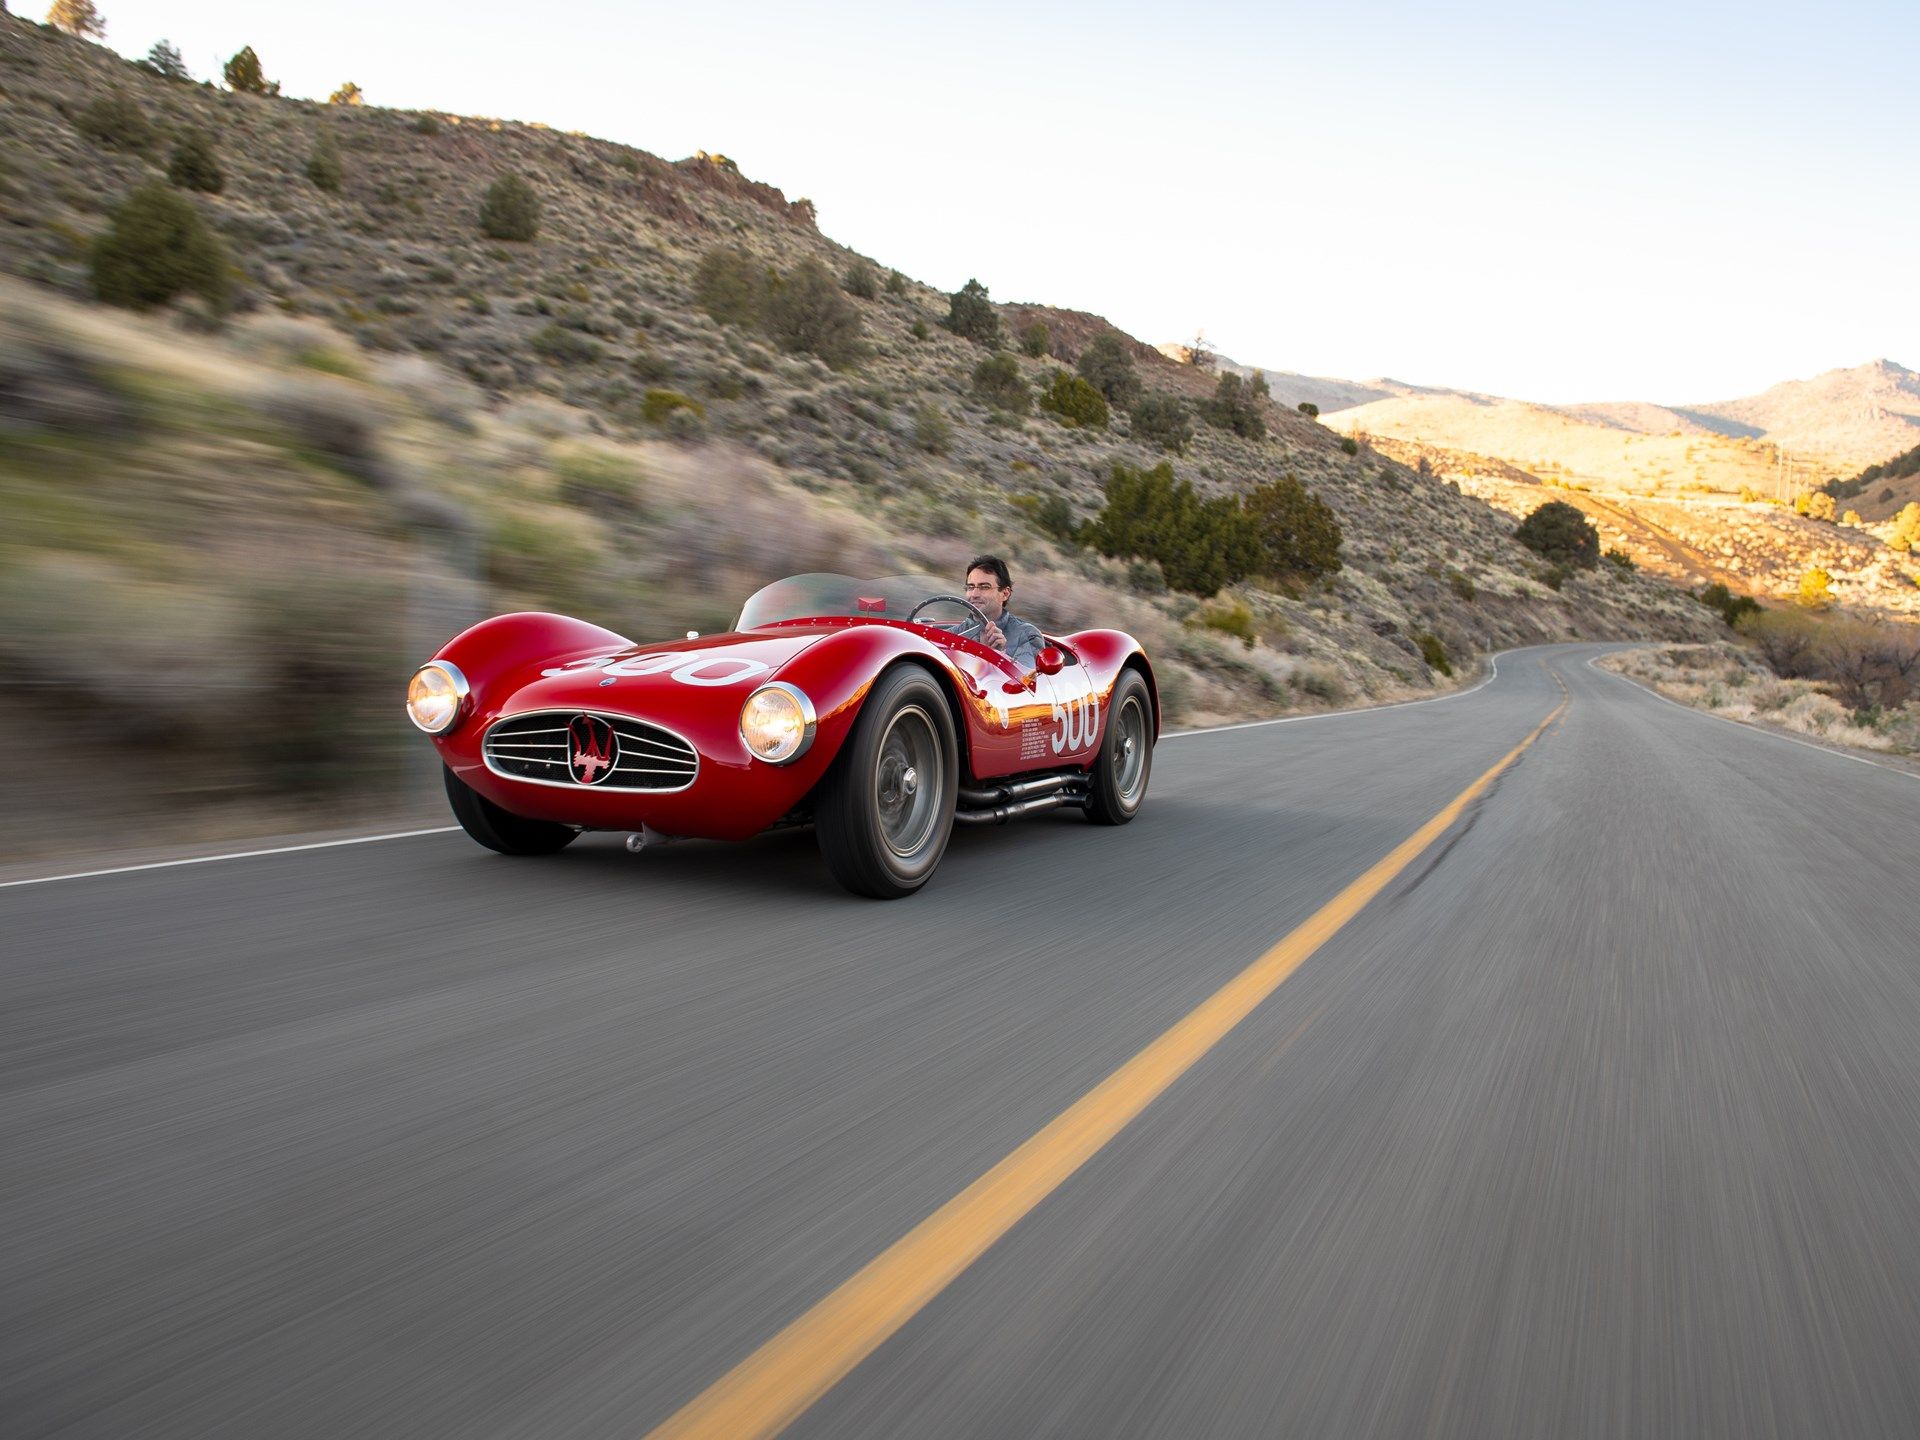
689 673
593 664
644 664
675 664
1078 722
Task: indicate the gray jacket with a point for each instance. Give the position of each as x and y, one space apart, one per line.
1023 640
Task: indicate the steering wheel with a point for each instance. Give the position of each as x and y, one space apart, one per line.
975 626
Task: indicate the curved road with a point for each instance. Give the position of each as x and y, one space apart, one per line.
1602 1118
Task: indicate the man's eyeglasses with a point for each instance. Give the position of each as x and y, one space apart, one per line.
981 589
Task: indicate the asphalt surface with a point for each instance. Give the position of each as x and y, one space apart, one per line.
1604 1119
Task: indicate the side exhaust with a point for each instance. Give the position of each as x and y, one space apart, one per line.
976 797
1000 814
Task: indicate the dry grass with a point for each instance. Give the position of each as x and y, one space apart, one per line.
1731 681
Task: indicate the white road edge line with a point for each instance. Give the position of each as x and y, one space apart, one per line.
1493 673
1766 731
236 855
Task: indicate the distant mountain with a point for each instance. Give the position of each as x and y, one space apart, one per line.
1867 413
1291 389
1794 436
1699 493
1834 424
1645 418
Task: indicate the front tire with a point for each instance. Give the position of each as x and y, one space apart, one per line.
502 830
885 810
1118 786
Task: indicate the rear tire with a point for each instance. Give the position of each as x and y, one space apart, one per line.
502 830
885 810
1118 785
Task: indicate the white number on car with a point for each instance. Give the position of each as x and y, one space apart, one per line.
675 664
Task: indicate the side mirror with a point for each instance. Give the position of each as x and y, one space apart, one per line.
1049 661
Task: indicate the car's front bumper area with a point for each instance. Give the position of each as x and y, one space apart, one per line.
694 779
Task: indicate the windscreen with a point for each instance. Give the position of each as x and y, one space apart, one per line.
807 597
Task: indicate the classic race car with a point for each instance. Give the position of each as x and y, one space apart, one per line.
868 707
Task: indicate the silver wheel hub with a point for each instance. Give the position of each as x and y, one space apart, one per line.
909 781
1130 757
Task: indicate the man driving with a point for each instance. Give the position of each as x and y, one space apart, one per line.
989 588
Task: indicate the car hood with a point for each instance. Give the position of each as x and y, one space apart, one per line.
678 672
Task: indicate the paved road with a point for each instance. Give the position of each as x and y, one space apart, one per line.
1604 1119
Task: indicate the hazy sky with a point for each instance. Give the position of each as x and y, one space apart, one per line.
1678 202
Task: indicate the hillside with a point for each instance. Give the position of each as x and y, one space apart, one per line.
1793 437
1291 389
400 423
1584 447
1754 547
1699 493
1860 415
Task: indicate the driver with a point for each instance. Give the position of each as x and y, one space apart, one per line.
989 587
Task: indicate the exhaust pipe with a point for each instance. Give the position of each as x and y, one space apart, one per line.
1018 789
1000 814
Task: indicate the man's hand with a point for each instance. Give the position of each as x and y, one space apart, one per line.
993 636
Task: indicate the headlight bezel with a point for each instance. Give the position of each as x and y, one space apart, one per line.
810 722
462 696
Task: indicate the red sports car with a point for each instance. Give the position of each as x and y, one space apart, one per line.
867 707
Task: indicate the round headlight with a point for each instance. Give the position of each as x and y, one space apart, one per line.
437 697
777 722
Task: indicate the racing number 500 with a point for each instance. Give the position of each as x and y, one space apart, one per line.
687 669
1078 722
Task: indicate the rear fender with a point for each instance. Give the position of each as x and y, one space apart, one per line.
1106 653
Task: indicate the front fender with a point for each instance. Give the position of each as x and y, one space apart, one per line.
500 655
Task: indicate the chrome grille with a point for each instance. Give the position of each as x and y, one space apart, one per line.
534 747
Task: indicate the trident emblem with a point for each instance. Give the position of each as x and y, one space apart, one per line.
591 747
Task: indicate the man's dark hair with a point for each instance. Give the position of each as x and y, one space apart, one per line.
993 563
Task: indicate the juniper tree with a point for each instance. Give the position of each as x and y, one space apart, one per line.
1106 365
997 381
323 165
194 166
1560 532
730 285
157 246
1074 400
165 60
861 281
808 311
243 74
1299 535
79 18
970 315
1161 418
1200 545
1236 406
510 210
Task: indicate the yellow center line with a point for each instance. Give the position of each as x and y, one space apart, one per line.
774 1386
